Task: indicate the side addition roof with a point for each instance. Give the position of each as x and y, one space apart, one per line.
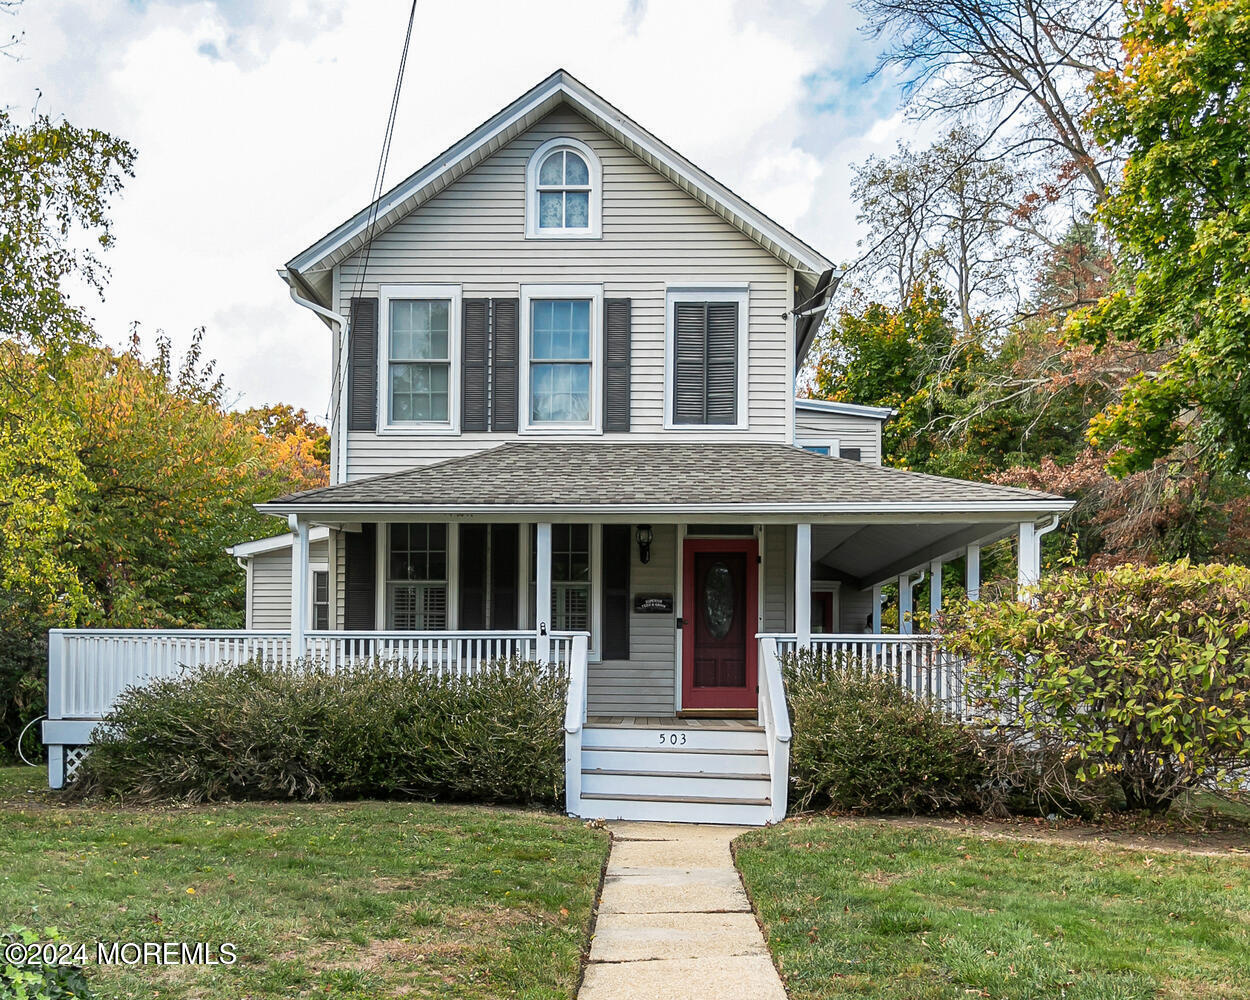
311 269
619 479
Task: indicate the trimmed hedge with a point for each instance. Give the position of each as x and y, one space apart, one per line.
255 732
863 744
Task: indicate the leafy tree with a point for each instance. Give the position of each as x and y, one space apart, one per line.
307 440
1181 217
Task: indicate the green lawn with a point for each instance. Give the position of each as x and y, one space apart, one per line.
867 909
359 900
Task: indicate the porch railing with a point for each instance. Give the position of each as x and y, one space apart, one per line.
918 663
88 669
774 716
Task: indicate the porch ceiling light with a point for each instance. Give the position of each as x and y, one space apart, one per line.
644 543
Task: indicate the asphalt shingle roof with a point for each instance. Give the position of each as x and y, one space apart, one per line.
644 474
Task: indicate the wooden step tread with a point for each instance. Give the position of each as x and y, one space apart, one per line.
730 751
736 776
718 800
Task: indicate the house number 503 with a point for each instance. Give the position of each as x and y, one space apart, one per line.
673 739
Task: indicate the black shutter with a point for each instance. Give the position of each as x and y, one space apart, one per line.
473 576
722 363
616 558
362 366
689 363
505 362
504 566
360 552
473 365
617 335
854 454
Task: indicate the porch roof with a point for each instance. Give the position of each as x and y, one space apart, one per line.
704 478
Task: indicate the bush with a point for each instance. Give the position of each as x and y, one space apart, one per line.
1138 675
252 732
862 743
40 981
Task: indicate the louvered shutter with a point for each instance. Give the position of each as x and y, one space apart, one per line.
504 567
689 362
474 364
722 363
505 361
360 578
362 366
616 368
616 559
472 583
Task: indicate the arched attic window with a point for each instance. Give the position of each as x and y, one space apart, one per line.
564 195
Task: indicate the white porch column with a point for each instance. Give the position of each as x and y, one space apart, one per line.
876 609
803 585
299 584
542 594
904 603
1029 561
935 587
972 578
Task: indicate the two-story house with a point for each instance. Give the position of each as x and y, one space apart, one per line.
564 368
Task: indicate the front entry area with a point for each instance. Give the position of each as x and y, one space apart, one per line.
719 610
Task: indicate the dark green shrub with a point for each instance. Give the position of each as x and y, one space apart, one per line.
862 743
54 980
1138 675
252 732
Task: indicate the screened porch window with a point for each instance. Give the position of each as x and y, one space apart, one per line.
560 361
321 599
416 577
570 576
419 360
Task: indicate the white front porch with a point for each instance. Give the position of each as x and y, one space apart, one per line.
798 597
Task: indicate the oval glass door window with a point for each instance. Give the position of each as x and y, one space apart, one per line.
718 600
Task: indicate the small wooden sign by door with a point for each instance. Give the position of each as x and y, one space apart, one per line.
720 607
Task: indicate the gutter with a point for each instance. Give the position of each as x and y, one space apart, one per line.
293 280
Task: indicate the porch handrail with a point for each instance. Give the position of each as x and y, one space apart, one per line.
774 716
575 721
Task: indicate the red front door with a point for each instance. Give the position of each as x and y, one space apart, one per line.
719 606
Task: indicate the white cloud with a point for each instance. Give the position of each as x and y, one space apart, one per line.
258 128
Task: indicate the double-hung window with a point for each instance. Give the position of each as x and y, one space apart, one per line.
321 599
416 577
560 331
419 356
706 357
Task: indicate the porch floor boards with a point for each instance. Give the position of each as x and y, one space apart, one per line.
670 722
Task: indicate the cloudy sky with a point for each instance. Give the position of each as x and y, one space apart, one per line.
258 126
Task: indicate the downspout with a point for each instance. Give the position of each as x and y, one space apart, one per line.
1054 523
341 429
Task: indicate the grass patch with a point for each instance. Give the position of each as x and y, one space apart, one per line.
867 909
350 900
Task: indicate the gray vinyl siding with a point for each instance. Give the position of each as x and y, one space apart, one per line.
269 596
856 607
473 235
778 580
863 433
645 684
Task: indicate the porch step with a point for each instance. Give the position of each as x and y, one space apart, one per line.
675 771
678 809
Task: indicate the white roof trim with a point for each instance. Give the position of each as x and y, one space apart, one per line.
275 543
846 409
1018 509
488 137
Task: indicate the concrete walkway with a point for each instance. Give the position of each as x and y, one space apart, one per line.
674 922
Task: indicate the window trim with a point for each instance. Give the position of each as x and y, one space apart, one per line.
594 293
594 230
322 566
528 614
735 292
830 443
402 292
